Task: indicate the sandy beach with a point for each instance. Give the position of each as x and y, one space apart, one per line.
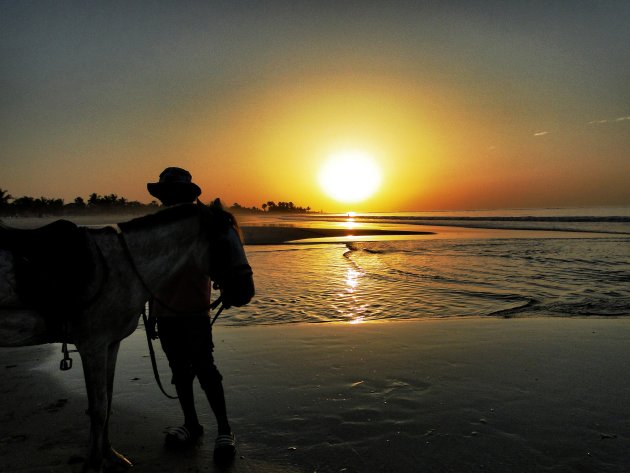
456 395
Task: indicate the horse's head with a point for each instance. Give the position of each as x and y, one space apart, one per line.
227 263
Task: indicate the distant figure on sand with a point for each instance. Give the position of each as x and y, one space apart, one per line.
185 332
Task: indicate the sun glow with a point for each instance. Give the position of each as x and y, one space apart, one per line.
350 176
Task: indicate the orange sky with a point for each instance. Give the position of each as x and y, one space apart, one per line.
462 107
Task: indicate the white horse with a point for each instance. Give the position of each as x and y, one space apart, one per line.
128 267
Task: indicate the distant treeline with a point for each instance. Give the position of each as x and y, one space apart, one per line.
26 206
271 206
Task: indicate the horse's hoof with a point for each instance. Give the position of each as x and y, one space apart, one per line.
117 462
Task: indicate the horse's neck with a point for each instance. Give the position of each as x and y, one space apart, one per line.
160 252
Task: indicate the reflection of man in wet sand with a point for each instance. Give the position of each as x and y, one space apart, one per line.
186 337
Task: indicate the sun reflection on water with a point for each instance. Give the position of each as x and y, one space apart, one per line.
350 224
355 308
352 279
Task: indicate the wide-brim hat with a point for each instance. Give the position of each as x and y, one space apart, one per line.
175 184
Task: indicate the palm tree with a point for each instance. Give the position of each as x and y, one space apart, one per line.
94 199
5 197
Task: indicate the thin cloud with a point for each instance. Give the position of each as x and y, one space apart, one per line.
541 133
599 122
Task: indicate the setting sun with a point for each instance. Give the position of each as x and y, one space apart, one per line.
350 176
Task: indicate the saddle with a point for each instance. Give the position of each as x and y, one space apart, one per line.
53 266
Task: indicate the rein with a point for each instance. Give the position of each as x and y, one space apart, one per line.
156 373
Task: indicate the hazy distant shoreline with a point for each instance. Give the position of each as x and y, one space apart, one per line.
252 234
277 228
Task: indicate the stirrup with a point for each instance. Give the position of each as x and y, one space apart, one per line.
66 362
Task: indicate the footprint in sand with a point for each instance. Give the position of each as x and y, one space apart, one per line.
55 406
14 438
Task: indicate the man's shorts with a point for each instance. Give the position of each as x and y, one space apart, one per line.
187 342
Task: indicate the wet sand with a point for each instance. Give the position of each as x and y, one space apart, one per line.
264 235
447 395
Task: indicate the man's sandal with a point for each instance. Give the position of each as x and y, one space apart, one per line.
182 436
224 448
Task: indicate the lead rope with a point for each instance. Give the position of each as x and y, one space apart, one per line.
152 355
216 316
156 373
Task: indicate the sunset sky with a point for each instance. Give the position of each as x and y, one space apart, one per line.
462 105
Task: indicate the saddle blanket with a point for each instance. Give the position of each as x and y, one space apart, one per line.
48 269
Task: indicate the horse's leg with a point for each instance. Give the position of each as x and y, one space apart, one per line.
112 355
95 372
112 457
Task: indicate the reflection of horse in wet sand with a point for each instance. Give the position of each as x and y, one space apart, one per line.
88 287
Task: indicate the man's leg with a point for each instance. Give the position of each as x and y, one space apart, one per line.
209 377
187 402
174 343
212 384
225 444
188 433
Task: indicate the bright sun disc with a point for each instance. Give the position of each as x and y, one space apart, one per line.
350 176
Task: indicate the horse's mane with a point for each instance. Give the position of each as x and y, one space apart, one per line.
214 213
162 217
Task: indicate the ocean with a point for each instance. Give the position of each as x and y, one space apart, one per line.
550 262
